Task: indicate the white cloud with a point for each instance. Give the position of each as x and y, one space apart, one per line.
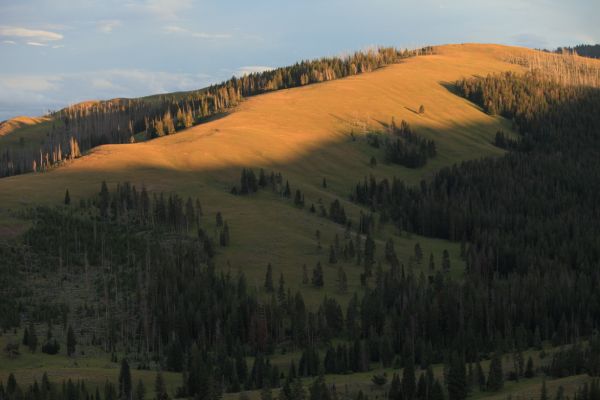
15 84
164 9
138 82
33 34
250 69
173 29
38 92
530 40
37 44
103 83
107 26
9 42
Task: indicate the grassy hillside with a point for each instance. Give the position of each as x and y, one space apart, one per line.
307 134
21 132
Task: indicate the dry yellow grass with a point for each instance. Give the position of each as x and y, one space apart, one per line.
303 133
11 125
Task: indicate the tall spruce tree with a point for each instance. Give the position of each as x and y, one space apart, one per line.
269 278
496 376
32 341
457 378
71 342
125 381
409 384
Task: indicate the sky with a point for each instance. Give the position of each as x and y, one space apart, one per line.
58 52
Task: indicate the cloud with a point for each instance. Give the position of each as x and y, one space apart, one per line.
38 44
20 93
173 29
138 82
530 40
9 42
107 26
33 34
16 84
251 69
103 84
164 9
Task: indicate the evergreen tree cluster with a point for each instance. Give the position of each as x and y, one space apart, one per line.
584 50
533 207
402 145
407 148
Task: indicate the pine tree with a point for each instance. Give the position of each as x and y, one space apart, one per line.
480 377
421 109
437 392
124 381
71 342
324 184
418 253
317 278
342 280
431 263
319 390
560 393
67 198
332 255
269 278
409 384
224 235
104 200
395 392
457 379
32 340
140 391
262 179
299 199
422 388
304 275
446 261
544 391
496 376
266 393
529 368
369 254
298 392
281 290
11 385
160 388
25 340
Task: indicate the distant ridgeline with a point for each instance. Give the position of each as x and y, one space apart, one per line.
82 127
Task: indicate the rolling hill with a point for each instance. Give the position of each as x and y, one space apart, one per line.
304 133
309 134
